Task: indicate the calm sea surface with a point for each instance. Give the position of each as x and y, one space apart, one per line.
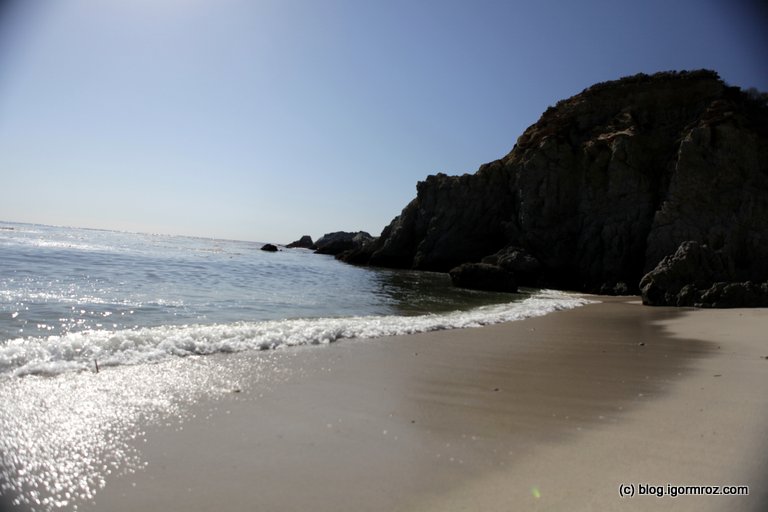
147 309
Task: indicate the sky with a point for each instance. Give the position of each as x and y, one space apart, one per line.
267 120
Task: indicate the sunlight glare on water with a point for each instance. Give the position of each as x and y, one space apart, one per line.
63 436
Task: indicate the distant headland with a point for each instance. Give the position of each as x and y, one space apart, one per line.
651 184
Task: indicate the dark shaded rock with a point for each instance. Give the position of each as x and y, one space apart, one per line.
341 241
482 276
452 221
697 275
687 296
619 288
602 188
305 242
735 295
677 278
517 260
269 248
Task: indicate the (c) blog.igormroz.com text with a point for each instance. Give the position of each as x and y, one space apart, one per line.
630 490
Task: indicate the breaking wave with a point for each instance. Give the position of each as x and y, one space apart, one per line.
81 351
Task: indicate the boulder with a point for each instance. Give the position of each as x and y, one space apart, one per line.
697 275
482 276
305 242
523 265
269 248
677 278
341 241
735 295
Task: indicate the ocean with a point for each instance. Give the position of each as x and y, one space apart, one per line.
101 331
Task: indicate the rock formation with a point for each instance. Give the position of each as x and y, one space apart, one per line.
517 261
601 189
340 241
269 248
305 242
697 275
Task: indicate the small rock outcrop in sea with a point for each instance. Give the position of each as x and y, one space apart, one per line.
483 276
269 247
341 241
601 189
305 242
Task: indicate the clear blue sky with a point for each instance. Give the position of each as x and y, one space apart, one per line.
266 120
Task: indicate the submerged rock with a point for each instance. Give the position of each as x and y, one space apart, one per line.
269 247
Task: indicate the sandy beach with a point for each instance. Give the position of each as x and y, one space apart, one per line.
561 412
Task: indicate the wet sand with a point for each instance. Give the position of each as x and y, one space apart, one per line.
550 413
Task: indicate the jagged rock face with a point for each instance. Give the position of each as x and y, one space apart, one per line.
603 187
453 220
718 193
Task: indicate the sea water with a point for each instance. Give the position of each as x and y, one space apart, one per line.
101 331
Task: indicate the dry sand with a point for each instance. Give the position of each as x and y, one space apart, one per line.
551 413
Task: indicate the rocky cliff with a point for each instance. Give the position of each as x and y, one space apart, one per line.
602 188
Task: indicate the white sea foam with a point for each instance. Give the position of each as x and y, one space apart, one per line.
80 350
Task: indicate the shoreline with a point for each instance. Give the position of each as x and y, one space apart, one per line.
539 414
